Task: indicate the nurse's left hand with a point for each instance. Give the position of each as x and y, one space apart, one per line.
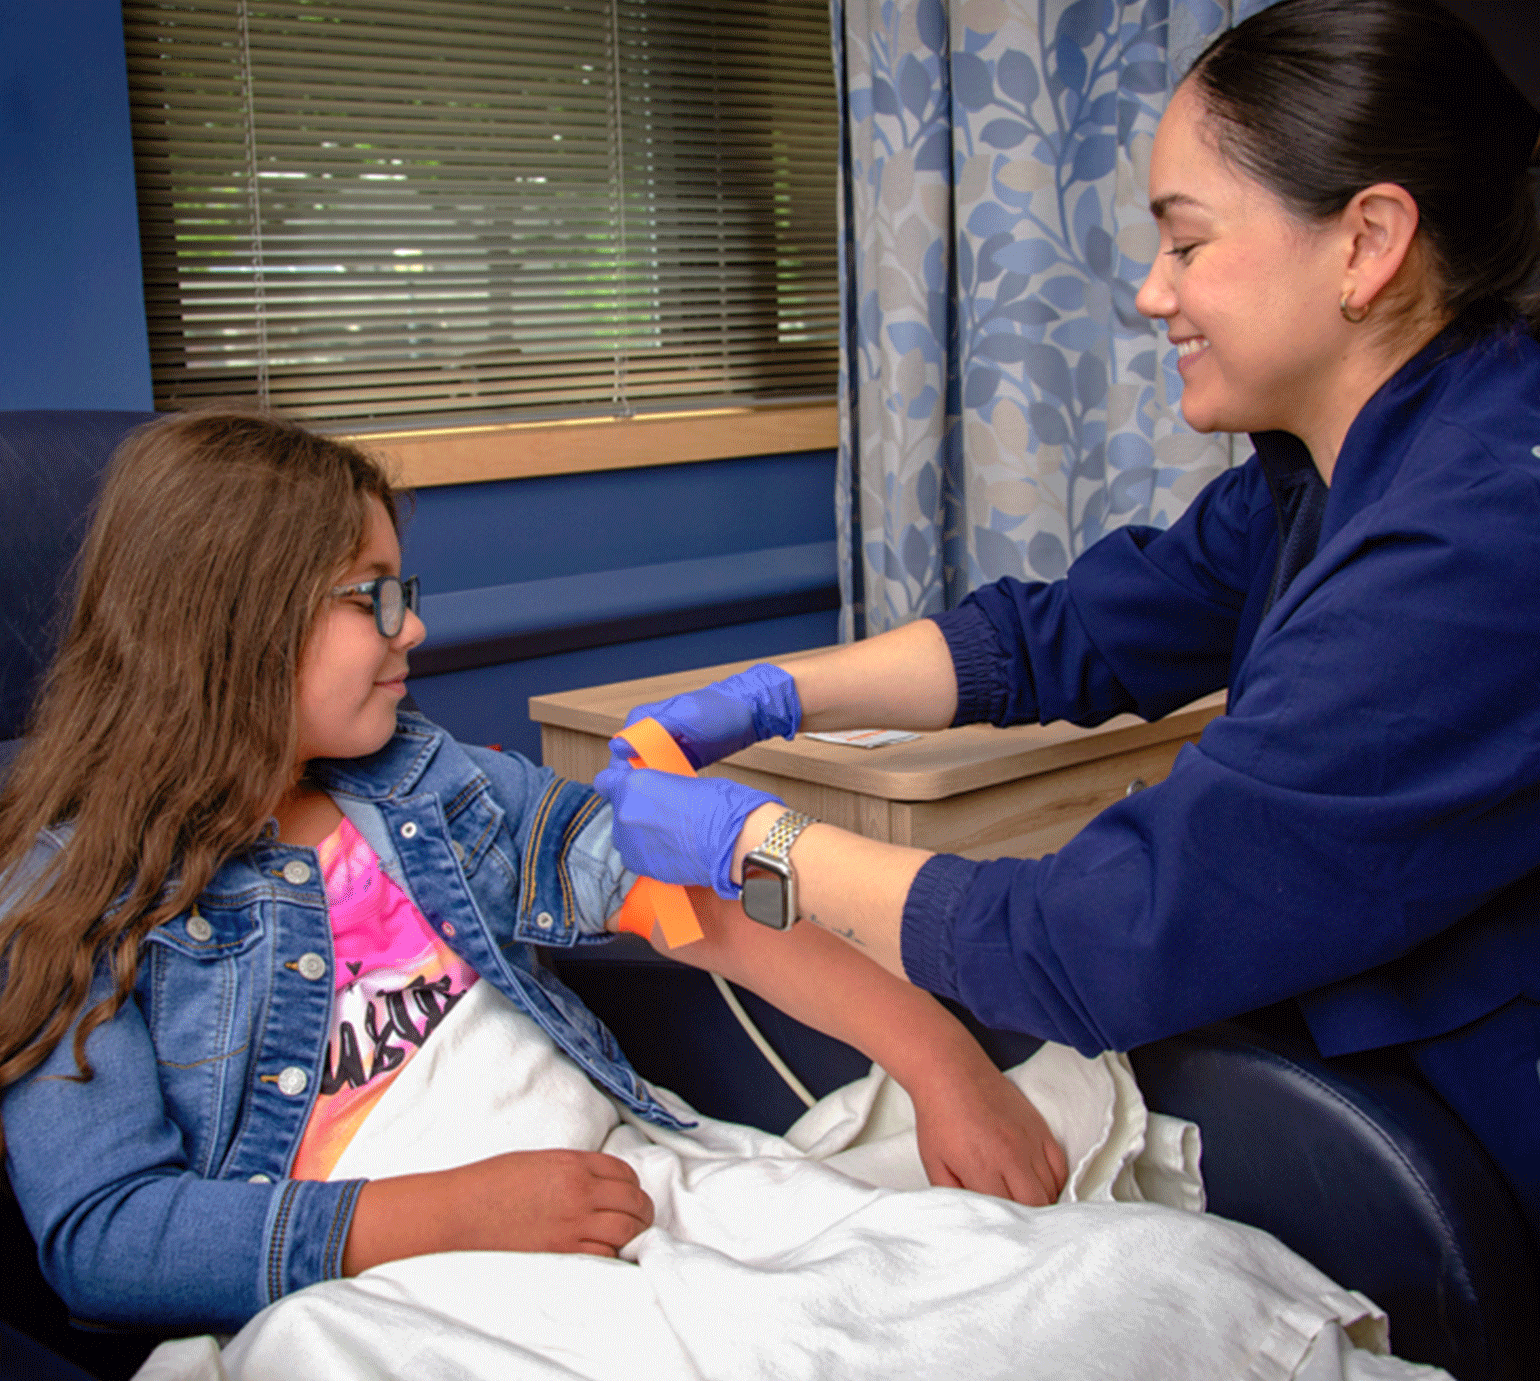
678 829
980 1132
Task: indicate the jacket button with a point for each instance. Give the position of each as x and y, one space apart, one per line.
545 920
259 1178
311 966
409 830
293 1081
296 872
198 929
448 928
458 848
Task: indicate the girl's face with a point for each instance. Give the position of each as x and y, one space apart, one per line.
1248 292
350 678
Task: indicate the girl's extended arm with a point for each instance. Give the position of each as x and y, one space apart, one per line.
976 1129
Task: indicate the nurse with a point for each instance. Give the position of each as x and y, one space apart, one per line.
1347 227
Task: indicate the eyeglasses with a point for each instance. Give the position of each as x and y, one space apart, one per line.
391 596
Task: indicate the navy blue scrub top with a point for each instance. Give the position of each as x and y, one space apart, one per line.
1360 828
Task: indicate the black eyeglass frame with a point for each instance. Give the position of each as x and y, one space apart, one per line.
381 589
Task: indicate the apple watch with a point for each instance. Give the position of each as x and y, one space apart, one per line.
769 880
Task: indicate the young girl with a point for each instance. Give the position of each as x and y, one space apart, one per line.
239 888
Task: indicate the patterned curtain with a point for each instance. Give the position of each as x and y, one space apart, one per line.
1002 403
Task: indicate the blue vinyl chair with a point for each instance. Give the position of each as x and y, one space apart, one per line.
1354 1163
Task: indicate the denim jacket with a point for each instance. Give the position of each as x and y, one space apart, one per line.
157 1191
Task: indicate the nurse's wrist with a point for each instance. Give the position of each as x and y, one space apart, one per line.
753 833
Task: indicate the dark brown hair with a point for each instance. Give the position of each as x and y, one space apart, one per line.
165 731
1318 99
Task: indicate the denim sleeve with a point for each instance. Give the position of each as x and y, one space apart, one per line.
600 880
562 833
127 1234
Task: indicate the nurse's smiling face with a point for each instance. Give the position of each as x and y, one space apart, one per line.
1247 290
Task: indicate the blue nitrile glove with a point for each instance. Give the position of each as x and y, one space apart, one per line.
727 715
678 829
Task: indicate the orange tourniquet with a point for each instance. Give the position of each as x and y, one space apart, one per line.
649 900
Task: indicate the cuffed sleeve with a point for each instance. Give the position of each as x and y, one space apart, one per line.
930 912
600 880
570 879
980 664
306 1232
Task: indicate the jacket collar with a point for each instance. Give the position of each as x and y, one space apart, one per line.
1380 436
393 771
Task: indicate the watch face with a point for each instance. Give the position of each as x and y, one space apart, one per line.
767 899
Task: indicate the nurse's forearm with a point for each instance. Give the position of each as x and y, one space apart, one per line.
902 679
848 885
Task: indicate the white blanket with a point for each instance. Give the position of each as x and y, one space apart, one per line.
818 1255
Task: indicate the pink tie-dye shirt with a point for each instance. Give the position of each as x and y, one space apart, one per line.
396 980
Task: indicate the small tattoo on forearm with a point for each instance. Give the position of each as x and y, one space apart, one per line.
845 934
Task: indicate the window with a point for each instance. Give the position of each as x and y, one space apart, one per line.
373 212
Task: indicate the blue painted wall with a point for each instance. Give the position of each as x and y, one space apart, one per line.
678 545
72 327
490 534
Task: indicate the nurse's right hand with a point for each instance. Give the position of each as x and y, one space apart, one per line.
727 715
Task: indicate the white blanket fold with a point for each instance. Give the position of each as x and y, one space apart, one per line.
820 1254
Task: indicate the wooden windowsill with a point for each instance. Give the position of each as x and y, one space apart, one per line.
519 450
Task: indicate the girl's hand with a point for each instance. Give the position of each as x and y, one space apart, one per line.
522 1201
982 1133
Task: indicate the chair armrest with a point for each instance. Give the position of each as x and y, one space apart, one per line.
24 1359
1357 1166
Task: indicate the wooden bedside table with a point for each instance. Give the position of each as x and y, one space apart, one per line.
977 791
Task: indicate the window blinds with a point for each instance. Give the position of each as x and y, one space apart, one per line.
382 211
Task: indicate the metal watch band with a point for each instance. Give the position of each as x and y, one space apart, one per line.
783 834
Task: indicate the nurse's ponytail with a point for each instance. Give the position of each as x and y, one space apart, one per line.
1318 99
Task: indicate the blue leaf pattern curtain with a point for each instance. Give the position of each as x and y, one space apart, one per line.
1003 405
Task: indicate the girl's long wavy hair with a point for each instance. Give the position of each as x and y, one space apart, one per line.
165 732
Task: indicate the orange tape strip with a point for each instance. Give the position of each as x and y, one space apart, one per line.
655 748
665 903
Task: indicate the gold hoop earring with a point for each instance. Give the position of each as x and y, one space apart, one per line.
1347 316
